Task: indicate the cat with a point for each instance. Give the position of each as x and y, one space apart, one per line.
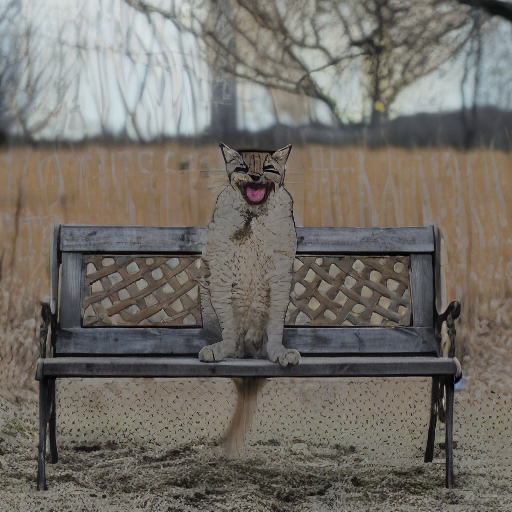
249 257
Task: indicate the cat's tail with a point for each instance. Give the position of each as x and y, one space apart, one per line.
248 390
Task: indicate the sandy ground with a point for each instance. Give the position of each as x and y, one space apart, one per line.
280 473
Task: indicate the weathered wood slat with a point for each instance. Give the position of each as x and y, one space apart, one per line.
190 367
365 240
318 340
130 341
422 290
71 290
361 340
132 239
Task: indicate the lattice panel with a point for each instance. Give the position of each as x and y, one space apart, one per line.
163 291
371 291
141 291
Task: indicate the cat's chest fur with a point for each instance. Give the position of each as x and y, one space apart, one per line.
249 243
248 250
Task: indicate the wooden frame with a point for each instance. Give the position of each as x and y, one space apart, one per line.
422 285
75 241
54 268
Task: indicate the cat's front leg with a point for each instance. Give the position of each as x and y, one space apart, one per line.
222 302
279 298
277 352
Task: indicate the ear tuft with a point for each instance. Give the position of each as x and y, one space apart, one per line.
281 155
230 154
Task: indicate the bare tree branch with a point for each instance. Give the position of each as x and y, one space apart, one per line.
287 44
492 7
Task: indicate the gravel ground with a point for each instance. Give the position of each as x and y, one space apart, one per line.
271 475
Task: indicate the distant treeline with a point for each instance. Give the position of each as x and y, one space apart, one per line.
487 127
484 127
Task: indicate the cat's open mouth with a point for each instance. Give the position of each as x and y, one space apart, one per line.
256 193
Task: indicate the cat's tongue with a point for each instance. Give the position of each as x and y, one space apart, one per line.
255 194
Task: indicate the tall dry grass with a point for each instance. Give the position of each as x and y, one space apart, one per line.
467 194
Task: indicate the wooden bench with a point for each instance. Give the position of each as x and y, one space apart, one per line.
125 302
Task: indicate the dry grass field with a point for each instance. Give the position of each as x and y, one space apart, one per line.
177 184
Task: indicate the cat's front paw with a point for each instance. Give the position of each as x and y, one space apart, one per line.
207 355
286 357
290 357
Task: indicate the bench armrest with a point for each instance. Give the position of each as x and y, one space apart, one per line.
48 324
451 313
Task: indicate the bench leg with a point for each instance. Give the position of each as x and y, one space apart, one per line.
434 397
449 431
43 421
54 456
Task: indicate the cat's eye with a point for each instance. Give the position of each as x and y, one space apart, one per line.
240 169
269 168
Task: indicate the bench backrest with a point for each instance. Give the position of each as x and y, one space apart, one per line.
127 290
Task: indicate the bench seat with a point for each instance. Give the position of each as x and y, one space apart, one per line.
188 367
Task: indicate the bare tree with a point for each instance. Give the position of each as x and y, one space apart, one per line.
35 70
293 44
9 56
472 62
402 42
486 77
142 64
95 69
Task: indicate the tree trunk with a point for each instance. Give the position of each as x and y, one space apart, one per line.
223 119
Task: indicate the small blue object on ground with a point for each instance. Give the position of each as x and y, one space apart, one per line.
460 383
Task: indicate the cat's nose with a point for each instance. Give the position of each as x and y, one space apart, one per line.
255 177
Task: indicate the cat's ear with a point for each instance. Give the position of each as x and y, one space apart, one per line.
231 156
281 155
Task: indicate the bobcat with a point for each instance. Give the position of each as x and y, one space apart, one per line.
249 257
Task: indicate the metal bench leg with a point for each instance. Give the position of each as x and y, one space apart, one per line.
429 452
54 456
43 421
449 431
